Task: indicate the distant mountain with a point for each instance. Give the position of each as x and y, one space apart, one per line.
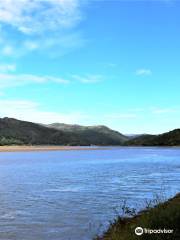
16 132
13 131
171 138
140 140
132 136
99 134
68 127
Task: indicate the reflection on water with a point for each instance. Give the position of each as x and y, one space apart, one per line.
70 194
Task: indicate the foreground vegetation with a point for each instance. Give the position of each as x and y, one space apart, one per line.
162 216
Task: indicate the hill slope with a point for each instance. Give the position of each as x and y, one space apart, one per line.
91 132
171 138
13 131
162 216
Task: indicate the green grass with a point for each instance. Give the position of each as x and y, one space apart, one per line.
162 216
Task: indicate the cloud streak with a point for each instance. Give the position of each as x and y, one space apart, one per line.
12 80
165 110
88 79
7 67
143 72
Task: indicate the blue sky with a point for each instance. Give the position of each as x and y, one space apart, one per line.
92 62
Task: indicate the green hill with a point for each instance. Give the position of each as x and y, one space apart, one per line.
100 133
16 132
13 131
171 138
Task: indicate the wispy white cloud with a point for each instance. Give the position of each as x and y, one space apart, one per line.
112 65
143 72
165 110
8 105
88 78
40 25
30 111
7 67
8 50
109 64
36 17
31 45
10 80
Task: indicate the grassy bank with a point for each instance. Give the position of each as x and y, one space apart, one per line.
163 216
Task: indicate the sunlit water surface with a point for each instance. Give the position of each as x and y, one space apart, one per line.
65 195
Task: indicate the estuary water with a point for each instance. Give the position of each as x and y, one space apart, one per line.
72 195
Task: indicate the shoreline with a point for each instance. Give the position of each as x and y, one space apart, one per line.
164 215
39 148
